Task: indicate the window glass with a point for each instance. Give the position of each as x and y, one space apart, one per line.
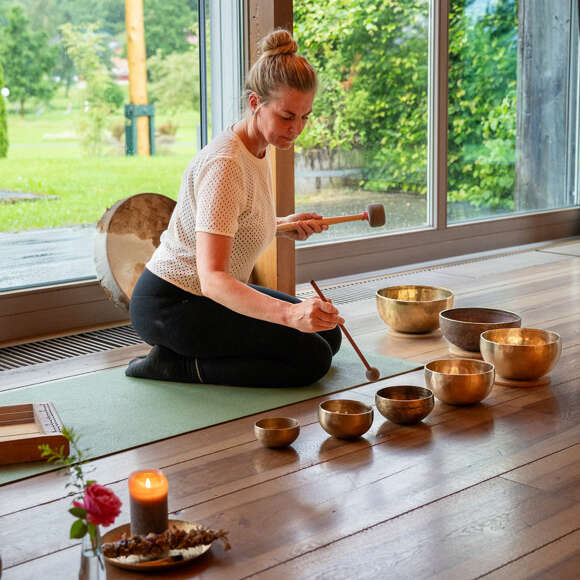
366 140
512 107
65 86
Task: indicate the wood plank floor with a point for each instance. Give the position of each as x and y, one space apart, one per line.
490 490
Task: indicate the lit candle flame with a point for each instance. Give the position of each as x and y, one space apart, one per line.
147 483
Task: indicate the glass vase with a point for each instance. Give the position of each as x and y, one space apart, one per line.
92 559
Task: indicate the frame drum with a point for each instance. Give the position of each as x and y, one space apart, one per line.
126 238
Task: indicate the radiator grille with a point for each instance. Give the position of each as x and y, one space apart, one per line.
64 347
365 289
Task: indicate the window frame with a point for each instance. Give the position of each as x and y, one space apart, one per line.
76 306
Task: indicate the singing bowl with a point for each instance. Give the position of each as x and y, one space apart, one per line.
404 404
463 326
521 354
460 381
344 418
276 431
413 309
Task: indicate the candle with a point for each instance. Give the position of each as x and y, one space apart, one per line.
148 500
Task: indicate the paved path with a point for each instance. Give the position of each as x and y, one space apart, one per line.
41 257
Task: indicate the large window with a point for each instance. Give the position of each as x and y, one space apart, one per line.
511 73
512 107
367 138
65 87
460 116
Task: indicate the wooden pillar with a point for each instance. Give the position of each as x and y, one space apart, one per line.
137 60
546 140
276 266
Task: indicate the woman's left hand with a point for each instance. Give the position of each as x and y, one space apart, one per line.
305 225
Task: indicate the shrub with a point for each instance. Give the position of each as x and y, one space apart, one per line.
118 131
169 128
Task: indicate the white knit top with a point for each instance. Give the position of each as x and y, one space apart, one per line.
225 190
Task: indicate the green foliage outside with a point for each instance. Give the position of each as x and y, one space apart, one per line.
372 62
482 105
372 59
3 123
46 157
168 23
101 96
174 81
27 59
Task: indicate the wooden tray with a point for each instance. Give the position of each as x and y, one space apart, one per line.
24 427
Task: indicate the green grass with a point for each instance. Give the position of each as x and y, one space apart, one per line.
46 157
85 188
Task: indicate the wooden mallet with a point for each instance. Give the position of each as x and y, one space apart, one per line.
374 214
372 373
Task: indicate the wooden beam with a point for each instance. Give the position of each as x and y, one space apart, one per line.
137 60
276 266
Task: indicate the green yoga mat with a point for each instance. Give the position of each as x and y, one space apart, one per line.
112 412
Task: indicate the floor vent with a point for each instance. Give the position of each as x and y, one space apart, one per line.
365 289
65 347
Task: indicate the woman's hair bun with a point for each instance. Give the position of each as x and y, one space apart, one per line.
279 41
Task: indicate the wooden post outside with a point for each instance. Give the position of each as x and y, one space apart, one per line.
545 146
277 265
137 60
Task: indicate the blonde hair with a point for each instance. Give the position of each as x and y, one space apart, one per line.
279 66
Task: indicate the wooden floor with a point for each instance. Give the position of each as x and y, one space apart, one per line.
488 490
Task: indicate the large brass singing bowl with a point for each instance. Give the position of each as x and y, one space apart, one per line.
521 354
460 381
276 431
413 309
344 418
404 404
463 326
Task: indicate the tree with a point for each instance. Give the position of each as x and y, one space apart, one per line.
102 96
174 80
372 61
27 59
167 25
371 56
3 123
482 103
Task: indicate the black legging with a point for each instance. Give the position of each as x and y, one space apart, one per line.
225 347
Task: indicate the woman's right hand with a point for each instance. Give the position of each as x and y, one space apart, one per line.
314 315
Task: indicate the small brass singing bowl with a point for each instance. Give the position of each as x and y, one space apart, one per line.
405 404
521 354
463 326
276 431
413 309
460 381
344 418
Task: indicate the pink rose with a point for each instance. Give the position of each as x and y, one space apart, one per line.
101 504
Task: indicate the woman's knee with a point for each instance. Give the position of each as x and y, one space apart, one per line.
333 338
315 362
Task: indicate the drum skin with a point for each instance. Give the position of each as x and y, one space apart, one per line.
126 238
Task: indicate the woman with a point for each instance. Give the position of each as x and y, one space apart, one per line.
193 301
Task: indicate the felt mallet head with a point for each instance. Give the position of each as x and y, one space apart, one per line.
375 214
373 374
